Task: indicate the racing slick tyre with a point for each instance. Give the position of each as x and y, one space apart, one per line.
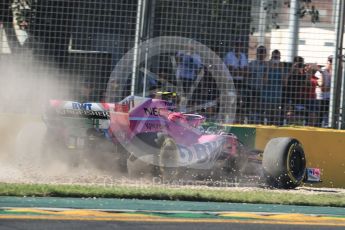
284 163
168 160
54 150
51 149
106 155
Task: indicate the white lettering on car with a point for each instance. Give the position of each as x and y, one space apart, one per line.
201 153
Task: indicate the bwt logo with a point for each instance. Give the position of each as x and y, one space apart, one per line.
82 106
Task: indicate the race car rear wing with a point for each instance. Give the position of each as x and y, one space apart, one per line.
90 110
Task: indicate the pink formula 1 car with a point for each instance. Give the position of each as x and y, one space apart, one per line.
147 135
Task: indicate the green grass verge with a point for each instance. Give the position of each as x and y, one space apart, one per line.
170 193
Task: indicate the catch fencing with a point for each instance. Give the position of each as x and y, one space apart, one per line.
272 62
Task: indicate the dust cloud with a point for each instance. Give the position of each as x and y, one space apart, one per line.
26 85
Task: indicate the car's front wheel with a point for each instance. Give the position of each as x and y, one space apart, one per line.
284 163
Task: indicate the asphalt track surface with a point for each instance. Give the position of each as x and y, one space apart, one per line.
105 225
60 213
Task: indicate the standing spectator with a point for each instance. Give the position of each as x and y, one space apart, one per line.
296 91
310 103
237 63
205 98
257 73
236 60
188 66
323 90
296 81
273 89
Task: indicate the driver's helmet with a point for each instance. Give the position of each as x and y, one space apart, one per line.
171 97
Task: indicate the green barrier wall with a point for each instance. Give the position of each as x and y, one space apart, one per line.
247 135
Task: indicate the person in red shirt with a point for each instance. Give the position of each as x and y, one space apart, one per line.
310 95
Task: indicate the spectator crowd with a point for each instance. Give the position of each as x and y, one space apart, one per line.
269 91
283 93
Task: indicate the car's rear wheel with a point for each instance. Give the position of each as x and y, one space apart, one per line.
284 163
169 160
54 150
106 155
